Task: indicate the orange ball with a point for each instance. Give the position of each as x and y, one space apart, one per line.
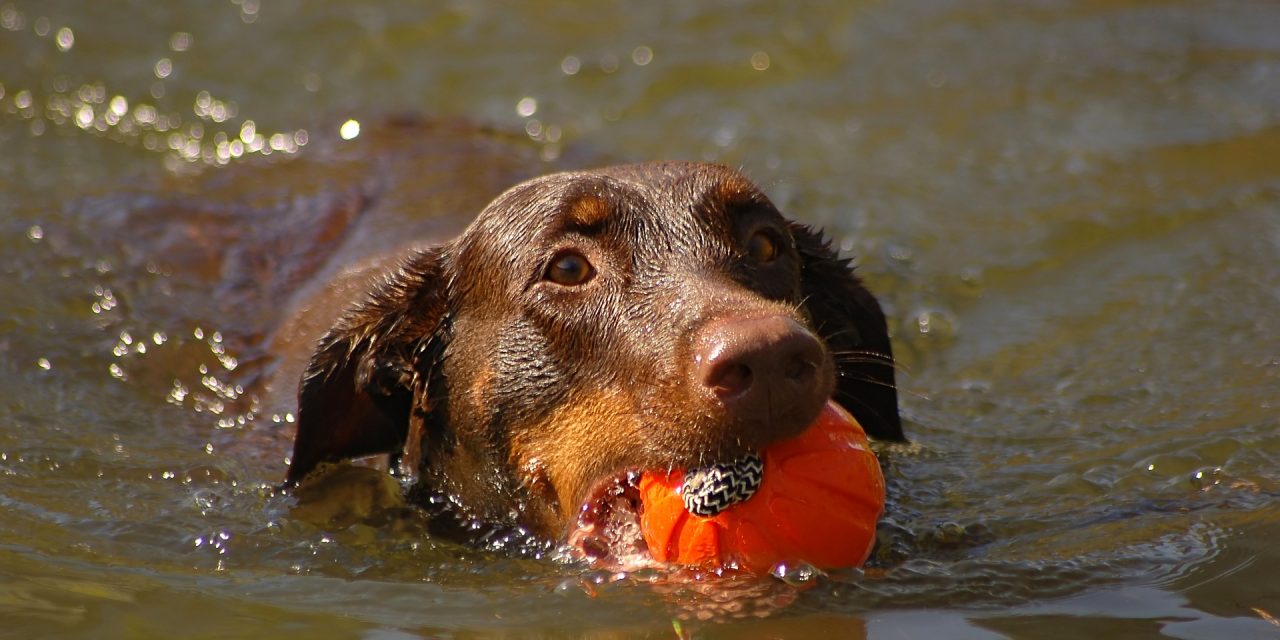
818 502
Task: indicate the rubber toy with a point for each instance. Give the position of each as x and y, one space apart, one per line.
817 502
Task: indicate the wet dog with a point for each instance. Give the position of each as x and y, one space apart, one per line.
591 324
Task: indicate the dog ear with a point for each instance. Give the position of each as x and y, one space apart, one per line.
851 322
358 391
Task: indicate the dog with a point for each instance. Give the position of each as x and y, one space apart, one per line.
588 325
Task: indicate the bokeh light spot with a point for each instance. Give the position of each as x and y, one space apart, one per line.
526 107
760 61
642 56
65 39
349 130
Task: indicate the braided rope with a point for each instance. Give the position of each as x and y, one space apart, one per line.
711 489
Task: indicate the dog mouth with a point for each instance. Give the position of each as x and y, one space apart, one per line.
609 528
607 531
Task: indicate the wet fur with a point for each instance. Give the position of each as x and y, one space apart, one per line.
515 395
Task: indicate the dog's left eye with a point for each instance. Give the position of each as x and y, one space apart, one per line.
763 245
570 269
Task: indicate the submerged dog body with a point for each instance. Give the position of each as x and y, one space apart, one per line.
591 324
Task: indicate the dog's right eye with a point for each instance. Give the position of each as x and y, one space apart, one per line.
570 269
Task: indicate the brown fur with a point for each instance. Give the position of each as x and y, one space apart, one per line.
516 394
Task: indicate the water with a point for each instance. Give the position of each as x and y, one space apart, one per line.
1071 211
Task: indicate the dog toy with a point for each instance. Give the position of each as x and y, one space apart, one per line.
813 499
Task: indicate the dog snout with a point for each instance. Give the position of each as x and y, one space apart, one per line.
765 368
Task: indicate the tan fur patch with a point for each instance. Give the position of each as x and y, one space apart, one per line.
584 440
589 211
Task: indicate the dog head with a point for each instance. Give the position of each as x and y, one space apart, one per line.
592 323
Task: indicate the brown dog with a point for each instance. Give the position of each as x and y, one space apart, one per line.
591 324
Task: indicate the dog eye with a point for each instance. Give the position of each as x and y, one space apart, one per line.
762 246
570 269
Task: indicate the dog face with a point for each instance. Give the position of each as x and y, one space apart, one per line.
594 323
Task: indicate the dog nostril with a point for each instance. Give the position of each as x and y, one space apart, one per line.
729 379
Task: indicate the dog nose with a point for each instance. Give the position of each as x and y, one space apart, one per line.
759 368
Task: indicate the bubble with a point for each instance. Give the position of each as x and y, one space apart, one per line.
570 65
796 574
163 68
35 233
935 322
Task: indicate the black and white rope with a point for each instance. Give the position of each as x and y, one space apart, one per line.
710 490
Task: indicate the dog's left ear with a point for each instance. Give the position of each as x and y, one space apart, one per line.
358 391
851 322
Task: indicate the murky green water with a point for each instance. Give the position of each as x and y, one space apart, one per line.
1070 209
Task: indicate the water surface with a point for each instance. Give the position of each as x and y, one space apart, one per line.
1071 211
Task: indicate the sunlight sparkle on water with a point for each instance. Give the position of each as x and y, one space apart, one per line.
760 61
642 56
349 130
527 107
65 39
180 41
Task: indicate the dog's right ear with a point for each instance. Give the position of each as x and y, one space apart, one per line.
357 393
